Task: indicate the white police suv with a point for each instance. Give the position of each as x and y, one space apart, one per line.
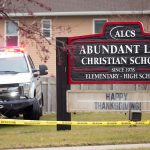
20 85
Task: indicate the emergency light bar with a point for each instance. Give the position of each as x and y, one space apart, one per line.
12 49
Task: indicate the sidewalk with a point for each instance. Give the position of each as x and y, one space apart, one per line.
101 147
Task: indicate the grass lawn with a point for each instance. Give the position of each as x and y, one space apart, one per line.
46 136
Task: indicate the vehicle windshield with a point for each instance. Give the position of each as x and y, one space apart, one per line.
13 65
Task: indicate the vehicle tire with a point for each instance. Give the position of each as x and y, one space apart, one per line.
41 105
33 112
41 111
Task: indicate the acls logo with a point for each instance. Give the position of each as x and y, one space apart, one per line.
122 32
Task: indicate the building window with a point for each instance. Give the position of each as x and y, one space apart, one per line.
12 33
98 25
47 28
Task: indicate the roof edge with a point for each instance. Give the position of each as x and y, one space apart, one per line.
79 13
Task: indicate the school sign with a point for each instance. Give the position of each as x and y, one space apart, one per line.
119 55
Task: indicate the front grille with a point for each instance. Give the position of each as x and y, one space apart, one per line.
9 85
7 89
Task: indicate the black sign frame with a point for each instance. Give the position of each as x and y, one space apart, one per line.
76 74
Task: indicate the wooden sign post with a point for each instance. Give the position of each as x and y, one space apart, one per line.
61 83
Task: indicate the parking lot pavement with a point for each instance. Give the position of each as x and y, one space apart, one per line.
101 147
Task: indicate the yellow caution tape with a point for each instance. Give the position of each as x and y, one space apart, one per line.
76 123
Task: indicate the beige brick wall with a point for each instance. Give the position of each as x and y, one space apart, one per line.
61 27
66 27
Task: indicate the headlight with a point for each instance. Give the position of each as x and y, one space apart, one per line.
25 87
14 94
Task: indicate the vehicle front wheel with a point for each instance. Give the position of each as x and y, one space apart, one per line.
33 112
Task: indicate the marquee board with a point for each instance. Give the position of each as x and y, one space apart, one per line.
119 55
98 101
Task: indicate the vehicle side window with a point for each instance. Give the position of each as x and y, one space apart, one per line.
31 62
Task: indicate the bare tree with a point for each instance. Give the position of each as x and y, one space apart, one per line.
30 33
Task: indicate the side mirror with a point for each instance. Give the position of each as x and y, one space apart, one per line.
43 69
